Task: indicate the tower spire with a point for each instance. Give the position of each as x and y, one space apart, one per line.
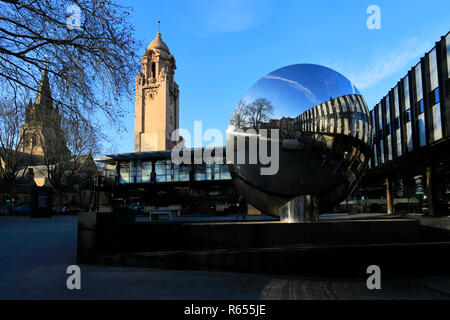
43 96
159 26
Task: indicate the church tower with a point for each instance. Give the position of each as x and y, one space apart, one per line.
157 99
42 133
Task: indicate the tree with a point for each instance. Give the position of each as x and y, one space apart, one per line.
82 143
258 112
67 153
238 119
86 46
11 137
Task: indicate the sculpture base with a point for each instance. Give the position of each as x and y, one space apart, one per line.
300 209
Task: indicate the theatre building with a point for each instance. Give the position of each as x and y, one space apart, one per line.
151 179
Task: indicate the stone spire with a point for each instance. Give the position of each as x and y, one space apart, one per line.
44 96
42 130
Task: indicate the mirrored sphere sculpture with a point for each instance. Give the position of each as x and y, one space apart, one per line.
302 130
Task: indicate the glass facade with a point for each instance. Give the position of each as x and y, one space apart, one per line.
397 123
380 132
146 171
434 97
388 129
407 106
163 171
140 171
405 126
420 123
447 40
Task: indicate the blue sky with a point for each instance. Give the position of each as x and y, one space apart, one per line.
222 47
296 88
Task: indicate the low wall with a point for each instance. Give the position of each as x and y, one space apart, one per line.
116 233
398 246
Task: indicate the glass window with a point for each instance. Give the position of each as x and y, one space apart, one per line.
132 172
421 127
434 97
406 92
388 111
124 169
200 172
163 170
432 61
418 74
397 123
375 160
138 171
396 104
447 41
389 147
181 172
437 126
420 107
380 116
146 171
408 115
224 173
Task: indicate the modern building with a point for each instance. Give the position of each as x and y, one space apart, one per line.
152 179
411 138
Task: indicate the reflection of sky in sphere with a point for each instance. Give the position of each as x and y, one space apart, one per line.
297 88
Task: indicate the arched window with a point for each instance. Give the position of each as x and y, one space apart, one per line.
153 70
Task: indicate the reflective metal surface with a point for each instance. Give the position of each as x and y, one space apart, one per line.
323 137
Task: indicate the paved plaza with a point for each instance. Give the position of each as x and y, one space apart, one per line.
34 255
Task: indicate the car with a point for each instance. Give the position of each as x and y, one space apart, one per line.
70 209
24 210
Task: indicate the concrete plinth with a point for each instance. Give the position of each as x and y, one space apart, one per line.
300 209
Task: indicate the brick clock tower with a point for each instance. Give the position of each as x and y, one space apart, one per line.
157 99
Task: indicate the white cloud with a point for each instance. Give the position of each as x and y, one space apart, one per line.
311 97
222 16
383 66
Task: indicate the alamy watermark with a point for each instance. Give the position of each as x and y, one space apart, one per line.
374 20
74 280
374 280
73 21
248 146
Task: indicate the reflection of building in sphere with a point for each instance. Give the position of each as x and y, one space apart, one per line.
324 147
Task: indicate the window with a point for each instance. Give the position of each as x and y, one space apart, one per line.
199 172
163 170
408 115
224 174
420 107
132 172
418 74
397 123
146 171
434 97
181 172
124 176
153 70
138 171
406 87
380 134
